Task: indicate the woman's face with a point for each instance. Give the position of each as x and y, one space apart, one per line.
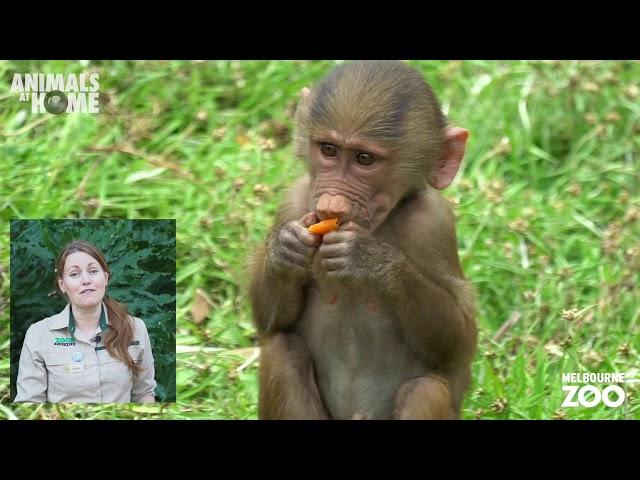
83 280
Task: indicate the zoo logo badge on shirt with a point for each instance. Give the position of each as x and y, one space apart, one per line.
64 341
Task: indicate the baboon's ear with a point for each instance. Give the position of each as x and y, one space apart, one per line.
455 143
304 103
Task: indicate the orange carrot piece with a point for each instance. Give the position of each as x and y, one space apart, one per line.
324 227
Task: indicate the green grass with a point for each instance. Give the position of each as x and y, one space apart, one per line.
548 208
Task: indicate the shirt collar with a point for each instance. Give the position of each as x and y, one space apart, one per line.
65 319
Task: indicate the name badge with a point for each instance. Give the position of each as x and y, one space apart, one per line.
74 368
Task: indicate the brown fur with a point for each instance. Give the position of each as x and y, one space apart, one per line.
375 320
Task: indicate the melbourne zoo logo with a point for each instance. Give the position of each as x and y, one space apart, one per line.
58 93
588 395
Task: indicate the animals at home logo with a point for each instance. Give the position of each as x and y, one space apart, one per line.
58 93
583 393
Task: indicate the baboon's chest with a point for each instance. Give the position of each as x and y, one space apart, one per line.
359 356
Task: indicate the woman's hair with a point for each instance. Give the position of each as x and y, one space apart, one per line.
120 332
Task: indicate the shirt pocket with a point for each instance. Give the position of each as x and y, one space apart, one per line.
63 385
116 375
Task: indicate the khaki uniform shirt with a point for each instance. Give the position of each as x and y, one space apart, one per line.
58 366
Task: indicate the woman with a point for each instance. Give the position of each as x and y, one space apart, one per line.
92 351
